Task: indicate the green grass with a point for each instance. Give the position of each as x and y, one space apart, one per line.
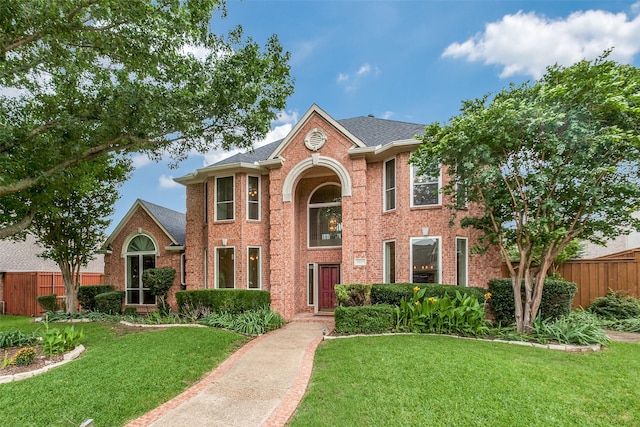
121 375
413 380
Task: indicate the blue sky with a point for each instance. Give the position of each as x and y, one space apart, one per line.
413 61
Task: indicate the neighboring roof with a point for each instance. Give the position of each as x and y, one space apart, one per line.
23 256
369 134
173 223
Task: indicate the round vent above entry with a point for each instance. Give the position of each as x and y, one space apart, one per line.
315 139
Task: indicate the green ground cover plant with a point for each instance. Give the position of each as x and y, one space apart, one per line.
426 380
123 373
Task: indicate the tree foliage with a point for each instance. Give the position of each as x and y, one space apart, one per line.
545 163
72 226
79 78
159 282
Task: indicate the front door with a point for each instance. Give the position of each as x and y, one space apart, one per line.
328 276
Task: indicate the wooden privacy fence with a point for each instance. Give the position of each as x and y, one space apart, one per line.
596 276
21 290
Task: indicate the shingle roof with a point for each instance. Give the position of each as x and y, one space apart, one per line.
370 130
23 256
173 221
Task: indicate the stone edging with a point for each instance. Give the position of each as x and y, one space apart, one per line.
563 347
168 325
68 357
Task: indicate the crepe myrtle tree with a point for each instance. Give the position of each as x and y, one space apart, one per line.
72 225
543 164
79 78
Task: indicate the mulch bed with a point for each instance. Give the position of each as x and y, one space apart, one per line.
40 361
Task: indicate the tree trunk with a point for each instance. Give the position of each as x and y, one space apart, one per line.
516 284
71 281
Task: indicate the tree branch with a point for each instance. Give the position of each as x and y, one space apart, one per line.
17 227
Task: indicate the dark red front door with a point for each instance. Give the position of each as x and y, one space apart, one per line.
329 275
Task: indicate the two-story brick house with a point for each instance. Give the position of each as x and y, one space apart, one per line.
334 201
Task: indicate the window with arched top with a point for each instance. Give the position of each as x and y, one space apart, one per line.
141 255
325 216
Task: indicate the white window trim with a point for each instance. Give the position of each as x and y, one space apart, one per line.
233 201
259 198
315 285
215 261
205 270
411 186
466 279
126 254
206 201
384 185
319 205
439 279
259 267
384 259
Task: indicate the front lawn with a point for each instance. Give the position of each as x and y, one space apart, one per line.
123 373
423 380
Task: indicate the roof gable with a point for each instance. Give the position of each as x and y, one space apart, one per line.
172 223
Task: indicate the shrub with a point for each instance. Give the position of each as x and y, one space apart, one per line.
616 305
250 322
370 319
15 338
159 281
578 327
394 293
224 300
130 311
458 315
48 302
87 295
557 297
109 302
25 356
353 295
622 325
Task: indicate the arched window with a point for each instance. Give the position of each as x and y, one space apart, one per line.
325 216
141 255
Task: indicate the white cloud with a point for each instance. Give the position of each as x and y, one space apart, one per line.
635 8
352 83
166 181
526 43
140 160
387 115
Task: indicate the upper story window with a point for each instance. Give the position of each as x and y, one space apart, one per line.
224 198
253 197
390 184
325 216
206 201
425 190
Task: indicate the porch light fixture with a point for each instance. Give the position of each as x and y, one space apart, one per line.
333 223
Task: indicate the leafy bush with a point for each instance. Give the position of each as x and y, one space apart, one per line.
616 305
109 302
224 300
130 311
622 325
458 315
56 341
579 327
193 313
369 319
15 338
392 294
557 297
48 302
159 281
25 356
87 295
353 295
250 322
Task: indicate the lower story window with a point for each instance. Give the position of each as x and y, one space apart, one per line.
225 268
462 261
425 260
136 292
253 267
311 283
390 262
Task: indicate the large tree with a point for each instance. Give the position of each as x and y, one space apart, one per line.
72 226
543 164
79 78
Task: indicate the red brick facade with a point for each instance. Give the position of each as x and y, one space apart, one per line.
288 179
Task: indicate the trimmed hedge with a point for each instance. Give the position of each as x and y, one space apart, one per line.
224 300
369 319
87 295
557 297
393 293
353 294
109 302
48 302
